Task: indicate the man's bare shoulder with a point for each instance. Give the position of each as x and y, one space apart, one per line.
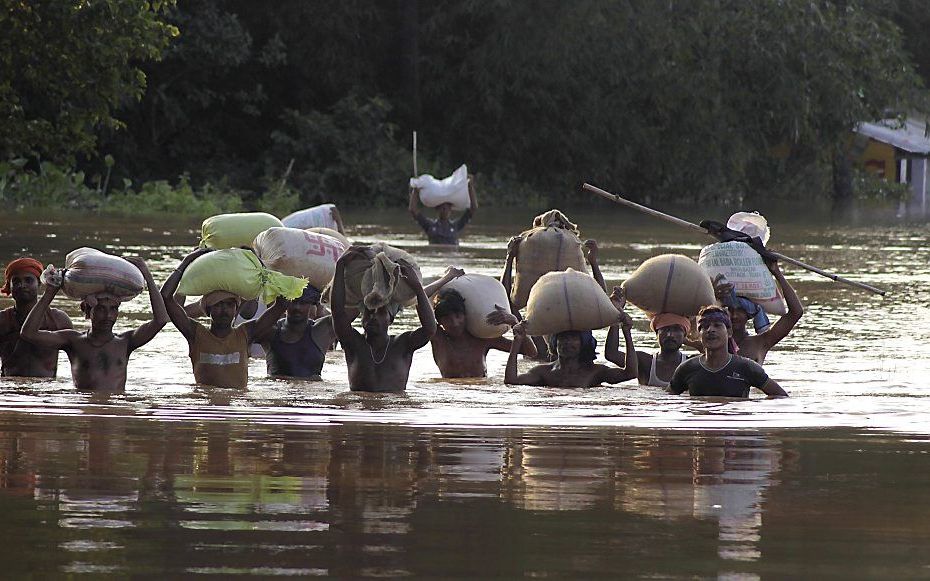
61 318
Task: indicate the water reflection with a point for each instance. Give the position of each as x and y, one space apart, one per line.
132 497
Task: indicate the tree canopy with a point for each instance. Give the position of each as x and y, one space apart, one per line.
680 99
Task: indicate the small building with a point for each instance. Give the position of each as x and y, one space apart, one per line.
897 152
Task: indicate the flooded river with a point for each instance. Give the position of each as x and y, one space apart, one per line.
474 478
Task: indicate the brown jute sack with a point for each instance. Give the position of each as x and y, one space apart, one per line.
544 249
670 283
376 281
568 301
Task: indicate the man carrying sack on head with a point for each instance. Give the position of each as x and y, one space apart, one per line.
19 357
219 354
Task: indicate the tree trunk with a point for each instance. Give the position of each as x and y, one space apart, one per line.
842 185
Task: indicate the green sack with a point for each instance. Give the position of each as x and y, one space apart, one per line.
239 272
235 230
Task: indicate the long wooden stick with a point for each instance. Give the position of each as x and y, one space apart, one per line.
696 228
415 173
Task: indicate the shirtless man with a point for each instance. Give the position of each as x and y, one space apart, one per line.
376 360
296 346
219 354
756 347
99 358
457 352
717 372
443 230
574 365
21 358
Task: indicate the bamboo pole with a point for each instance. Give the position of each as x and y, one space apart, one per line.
685 224
415 172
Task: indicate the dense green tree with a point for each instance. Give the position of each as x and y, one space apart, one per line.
679 99
66 65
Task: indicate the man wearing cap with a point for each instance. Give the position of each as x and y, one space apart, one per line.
219 354
718 371
19 357
757 346
657 369
296 345
99 357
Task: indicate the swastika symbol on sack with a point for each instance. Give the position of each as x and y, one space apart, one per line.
317 246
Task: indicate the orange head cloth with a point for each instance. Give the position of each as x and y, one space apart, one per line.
30 265
669 319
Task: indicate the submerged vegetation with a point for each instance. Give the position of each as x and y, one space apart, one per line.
307 102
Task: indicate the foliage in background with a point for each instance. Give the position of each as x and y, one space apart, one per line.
66 65
665 101
54 187
868 186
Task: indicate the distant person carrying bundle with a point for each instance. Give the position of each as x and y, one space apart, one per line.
718 371
473 314
19 357
220 354
99 358
443 230
378 361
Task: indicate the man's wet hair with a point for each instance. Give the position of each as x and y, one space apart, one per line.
588 352
448 302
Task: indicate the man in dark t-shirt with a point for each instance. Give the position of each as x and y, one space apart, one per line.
442 230
718 371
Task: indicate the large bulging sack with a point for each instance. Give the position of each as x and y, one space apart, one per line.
316 217
544 249
568 301
235 230
746 271
296 252
482 294
451 190
330 232
374 281
89 271
670 283
239 272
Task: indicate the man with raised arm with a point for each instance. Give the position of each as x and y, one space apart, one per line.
378 361
19 357
296 346
219 354
718 371
574 365
443 230
457 352
99 358
757 346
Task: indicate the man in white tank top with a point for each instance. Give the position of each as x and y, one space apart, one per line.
657 369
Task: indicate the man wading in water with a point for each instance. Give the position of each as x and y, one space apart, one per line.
718 372
220 354
98 357
756 347
574 365
657 369
443 230
296 345
376 360
19 357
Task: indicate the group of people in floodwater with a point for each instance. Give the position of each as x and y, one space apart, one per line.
295 335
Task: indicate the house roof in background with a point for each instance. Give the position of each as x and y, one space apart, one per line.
911 136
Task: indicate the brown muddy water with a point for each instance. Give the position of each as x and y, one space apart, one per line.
474 478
